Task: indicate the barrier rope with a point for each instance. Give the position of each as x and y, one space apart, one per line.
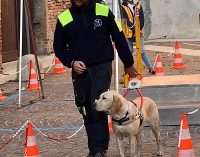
51 138
154 64
58 139
6 74
162 57
192 112
191 44
50 65
14 73
7 142
168 54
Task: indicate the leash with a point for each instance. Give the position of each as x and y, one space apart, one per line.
134 84
142 98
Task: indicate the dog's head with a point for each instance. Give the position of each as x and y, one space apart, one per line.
109 102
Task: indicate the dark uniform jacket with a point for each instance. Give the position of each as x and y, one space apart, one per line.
84 34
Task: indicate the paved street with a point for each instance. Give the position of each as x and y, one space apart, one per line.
57 117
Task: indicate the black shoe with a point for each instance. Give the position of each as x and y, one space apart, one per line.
99 154
151 71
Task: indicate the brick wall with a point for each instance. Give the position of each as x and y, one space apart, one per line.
40 25
0 40
44 19
45 14
55 7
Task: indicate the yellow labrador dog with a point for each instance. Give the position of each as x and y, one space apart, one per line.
128 119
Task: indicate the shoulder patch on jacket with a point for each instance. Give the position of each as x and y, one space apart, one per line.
65 17
102 10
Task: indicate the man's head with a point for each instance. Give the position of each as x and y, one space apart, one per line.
80 3
130 1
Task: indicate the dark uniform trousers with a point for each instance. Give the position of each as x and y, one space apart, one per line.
88 87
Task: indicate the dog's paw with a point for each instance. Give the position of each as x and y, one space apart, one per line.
159 153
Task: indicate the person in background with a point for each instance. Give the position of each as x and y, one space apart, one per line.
128 11
82 41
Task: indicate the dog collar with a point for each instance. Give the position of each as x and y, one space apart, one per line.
126 120
122 121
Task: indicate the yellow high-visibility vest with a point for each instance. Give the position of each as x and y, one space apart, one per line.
127 31
65 17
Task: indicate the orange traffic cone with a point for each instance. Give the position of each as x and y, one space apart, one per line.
58 69
178 61
2 97
110 124
33 79
185 148
30 148
159 67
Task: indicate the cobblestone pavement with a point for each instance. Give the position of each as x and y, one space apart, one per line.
58 117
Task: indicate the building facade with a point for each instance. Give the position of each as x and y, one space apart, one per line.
173 19
43 19
0 42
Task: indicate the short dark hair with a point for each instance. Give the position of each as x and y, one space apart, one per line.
124 2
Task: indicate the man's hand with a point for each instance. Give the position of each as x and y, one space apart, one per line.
79 67
131 71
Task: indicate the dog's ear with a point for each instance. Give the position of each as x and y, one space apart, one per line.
116 104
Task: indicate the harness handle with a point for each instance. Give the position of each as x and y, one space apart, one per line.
135 84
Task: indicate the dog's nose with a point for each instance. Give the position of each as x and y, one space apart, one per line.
95 102
94 105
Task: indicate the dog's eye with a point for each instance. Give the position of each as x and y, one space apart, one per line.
104 98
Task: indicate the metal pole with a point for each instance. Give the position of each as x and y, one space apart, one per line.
120 10
20 50
138 39
113 7
27 32
34 47
116 59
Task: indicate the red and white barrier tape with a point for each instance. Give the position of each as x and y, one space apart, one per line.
50 65
14 73
58 139
191 44
6 74
192 112
18 131
162 57
154 64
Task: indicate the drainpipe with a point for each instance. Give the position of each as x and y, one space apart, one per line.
27 32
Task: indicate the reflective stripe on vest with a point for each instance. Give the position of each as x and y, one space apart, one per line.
127 31
138 5
65 17
102 10
118 25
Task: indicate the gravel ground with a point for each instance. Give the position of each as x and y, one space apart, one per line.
58 117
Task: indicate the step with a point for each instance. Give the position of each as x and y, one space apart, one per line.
172 101
170 115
